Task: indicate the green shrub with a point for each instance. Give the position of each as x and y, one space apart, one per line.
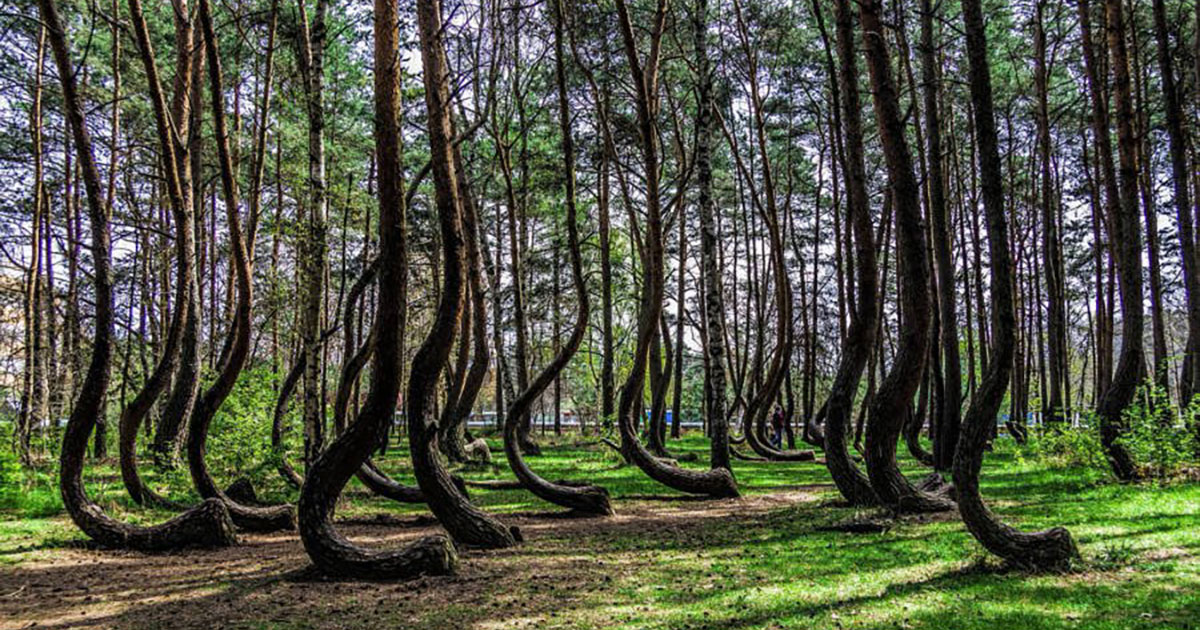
239 441
1160 437
1070 447
26 492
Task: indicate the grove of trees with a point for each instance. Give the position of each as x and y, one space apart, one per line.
840 232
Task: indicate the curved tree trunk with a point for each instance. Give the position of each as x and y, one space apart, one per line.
286 390
189 63
466 523
368 474
206 525
356 357
860 335
760 406
135 412
450 434
589 499
1052 548
894 396
717 482
329 550
1127 248
257 518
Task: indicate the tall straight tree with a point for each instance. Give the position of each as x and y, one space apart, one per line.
1056 324
714 300
1102 140
1189 382
946 431
311 36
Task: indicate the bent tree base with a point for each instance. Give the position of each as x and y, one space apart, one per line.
207 525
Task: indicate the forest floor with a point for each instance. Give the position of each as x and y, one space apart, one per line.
664 561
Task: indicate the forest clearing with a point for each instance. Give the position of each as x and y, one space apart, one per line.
631 313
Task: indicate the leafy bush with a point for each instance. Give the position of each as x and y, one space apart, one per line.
1070 447
1161 438
239 441
27 492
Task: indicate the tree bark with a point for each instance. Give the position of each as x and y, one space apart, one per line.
329 550
949 416
256 518
888 408
717 482
1189 382
588 499
714 299
1127 246
860 334
1052 548
206 525
311 37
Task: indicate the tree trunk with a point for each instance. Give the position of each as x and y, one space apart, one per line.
1056 333
330 550
206 525
1189 382
717 482
186 112
714 300
1127 247
135 413
257 518
1052 548
860 335
947 427
888 409
311 38
589 499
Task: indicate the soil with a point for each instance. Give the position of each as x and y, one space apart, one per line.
267 580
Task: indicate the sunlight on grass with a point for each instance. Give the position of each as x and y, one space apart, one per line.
690 567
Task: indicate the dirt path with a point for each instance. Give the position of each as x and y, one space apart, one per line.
266 581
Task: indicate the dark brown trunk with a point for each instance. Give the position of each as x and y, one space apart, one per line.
888 409
1053 273
206 525
717 482
949 416
1189 382
329 549
1052 548
589 499
1127 246
860 335
257 518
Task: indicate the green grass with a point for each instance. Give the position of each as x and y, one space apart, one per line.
1140 547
